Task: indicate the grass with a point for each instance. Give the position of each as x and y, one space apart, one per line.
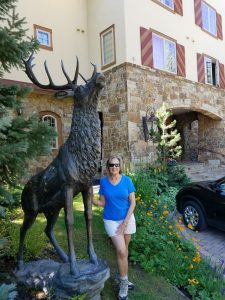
147 285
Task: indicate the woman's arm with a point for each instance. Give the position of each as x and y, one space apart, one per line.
131 208
123 225
100 201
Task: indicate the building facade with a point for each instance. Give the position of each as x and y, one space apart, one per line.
151 51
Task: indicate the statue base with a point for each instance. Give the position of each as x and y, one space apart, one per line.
55 279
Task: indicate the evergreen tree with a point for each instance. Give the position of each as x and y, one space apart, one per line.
20 139
166 136
14 43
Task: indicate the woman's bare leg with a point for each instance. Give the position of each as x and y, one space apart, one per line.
121 243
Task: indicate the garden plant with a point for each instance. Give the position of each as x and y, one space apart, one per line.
159 246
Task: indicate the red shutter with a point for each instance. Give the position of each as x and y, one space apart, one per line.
146 47
201 68
222 76
219 26
181 60
178 7
198 12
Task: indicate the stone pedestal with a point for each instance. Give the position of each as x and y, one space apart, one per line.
55 280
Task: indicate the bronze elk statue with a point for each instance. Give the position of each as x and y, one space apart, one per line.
73 169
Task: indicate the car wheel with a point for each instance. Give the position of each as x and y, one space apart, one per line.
193 216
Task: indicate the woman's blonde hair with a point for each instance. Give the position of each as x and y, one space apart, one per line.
118 158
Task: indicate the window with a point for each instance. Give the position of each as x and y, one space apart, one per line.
168 3
211 71
164 54
175 6
44 36
53 123
209 19
108 47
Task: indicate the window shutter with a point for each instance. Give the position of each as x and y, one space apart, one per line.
198 12
146 47
222 76
219 26
201 68
181 60
178 7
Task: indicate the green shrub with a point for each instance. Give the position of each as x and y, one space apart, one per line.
9 199
176 176
159 247
9 234
159 179
8 291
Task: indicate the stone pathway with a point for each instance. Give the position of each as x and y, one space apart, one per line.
211 242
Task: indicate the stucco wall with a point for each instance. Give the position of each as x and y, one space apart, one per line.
129 15
64 18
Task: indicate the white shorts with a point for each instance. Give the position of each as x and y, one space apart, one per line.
111 226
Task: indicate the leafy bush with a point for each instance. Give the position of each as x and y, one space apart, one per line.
9 237
176 176
157 179
8 291
158 245
9 199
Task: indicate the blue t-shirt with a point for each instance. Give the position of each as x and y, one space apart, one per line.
116 197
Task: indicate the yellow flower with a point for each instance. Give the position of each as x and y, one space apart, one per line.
179 227
190 226
170 233
149 213
191 266
165 212
193 281
197 259
170 226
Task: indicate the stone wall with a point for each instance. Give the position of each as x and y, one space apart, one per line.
133 88
130 90
35 104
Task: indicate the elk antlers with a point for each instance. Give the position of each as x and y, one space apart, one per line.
70 85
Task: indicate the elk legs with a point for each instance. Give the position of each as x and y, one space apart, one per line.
69 221
87 196
51 220
27 223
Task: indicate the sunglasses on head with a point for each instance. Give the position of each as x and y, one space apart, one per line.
116 165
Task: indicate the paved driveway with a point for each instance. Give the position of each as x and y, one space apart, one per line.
211 242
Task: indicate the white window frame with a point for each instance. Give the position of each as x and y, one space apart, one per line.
108 33
46 31
209 22
165 68
208 71
55 142
166 3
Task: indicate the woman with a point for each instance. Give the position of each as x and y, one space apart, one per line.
118 199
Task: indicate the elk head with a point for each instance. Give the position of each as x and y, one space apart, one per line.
85 95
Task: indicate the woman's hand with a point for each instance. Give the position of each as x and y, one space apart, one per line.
98 202
121 228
